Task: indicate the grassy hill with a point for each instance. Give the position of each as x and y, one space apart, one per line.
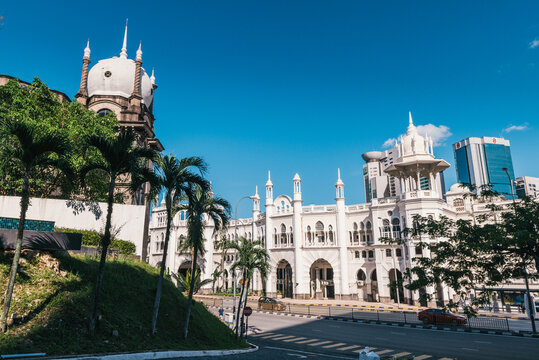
53 299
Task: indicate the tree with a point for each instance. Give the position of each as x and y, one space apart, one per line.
122 161
48 113
201 206
478 256
175 178
184 282
250 256
31 153
216 274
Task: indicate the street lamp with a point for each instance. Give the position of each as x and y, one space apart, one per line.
528 296
234 272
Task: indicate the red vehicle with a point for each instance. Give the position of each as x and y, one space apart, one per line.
437 316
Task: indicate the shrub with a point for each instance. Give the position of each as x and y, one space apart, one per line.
92 238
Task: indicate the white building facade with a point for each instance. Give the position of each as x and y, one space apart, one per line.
336 250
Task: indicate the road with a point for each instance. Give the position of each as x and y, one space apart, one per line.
484 322
280 336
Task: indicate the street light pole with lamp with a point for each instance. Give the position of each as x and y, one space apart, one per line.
528 296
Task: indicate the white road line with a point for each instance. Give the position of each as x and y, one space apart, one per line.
317 330
321 343
295 339
384 352
397 333
482 342
307 341
307 352
422 357
469 349
333 345
404 353
346 348
283 337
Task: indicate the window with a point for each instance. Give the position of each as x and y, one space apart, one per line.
363 254
356 254
458 202
418 250
103 112
371 254
330 233
320 232
398 252
361 275
388 252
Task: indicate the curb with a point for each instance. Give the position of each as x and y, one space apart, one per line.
415 326
161 354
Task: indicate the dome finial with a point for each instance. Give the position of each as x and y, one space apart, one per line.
411 127
139 52
152 78
87 50
410 121
123 54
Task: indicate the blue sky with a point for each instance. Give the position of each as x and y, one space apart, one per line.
301 86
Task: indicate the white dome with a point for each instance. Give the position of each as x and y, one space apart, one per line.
458 189
116 76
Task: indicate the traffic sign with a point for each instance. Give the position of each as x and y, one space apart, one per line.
247 311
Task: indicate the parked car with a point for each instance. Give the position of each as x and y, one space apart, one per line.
267 303
438 316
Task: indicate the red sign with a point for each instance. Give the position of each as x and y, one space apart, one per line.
494 140
247 311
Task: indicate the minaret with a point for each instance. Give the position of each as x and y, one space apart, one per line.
136 96
256 211
123 53
341 236
270 286
301 285
82 94
210 192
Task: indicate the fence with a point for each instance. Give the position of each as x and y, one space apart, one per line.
356 313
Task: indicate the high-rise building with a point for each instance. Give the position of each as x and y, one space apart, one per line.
480 161
527 186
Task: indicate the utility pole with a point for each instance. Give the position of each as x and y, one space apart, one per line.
528 295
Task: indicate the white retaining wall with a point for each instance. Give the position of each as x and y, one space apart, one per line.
129 217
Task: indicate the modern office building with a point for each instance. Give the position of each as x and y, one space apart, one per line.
480 161
527 186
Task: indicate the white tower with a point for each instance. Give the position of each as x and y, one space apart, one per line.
301 286
269 228
256 211
341 236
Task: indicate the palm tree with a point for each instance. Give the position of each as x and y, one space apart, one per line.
250 256
120 160
214 277
175 178
32 152
184 282
201 205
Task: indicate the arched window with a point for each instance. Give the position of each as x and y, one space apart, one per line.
283 234
291 236
103 112
361 275
319 227
363 254
330 233
371 254
458 202
309 236
275 235
386 229
356 254
396 228
356 234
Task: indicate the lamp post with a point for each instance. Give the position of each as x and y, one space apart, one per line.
528 296
234 272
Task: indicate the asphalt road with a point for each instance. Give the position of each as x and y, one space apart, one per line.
280 336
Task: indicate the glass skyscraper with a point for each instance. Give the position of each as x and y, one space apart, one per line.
480 160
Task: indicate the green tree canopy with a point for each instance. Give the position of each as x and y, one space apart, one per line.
45 111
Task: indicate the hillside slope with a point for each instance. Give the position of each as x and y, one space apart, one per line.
53 299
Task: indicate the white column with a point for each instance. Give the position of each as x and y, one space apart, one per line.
301 284
341 236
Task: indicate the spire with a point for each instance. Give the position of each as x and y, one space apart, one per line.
87 50
256 196
210 191
339 181
123 54
152 78
296 177
269 183
139 52
411 127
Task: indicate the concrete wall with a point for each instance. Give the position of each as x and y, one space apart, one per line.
129 217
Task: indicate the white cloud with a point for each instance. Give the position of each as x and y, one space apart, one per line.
534 44
389 143
515 128
438 133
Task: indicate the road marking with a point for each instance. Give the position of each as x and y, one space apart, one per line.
333 345
283 337
482 342
334 326
346 348
404 353
379 338
270 336
396 333
307 341
469 349
422 357
384 352
298 355
295 339
307 352
321 343
317 330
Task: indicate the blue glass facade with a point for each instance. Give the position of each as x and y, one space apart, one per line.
38 225
461 163
498 157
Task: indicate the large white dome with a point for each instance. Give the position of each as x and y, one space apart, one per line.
116 76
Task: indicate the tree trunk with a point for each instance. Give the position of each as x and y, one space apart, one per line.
163 261
190 298
245 301
239 303
25 200
104 249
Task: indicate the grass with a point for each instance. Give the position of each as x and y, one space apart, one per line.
53 299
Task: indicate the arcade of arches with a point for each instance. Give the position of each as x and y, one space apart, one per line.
285 284
322 284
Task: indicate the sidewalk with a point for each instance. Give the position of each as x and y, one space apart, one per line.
369 305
